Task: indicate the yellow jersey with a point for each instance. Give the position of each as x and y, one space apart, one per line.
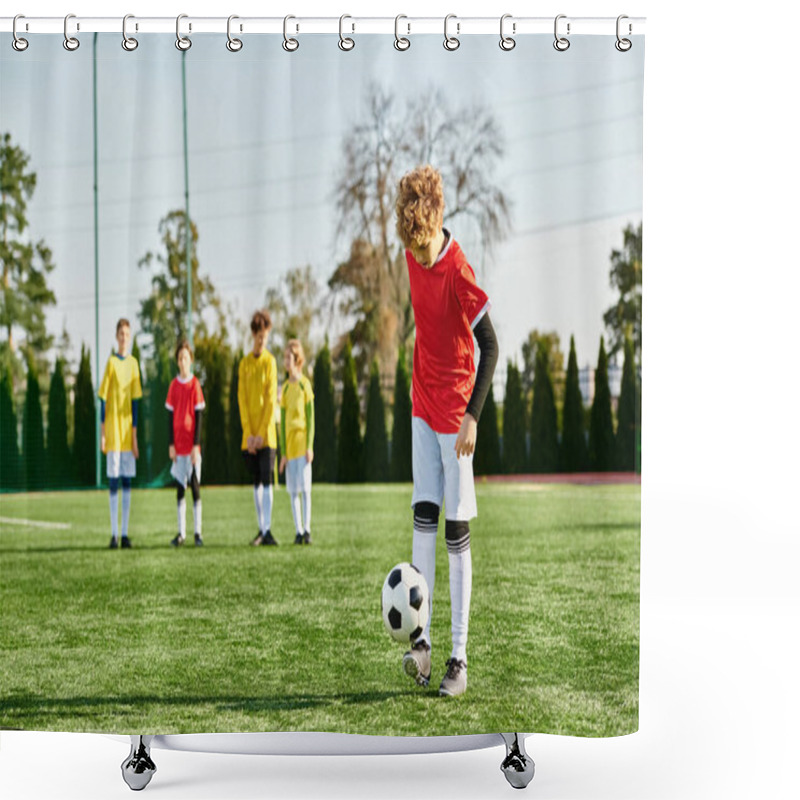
297 418
121 385
258 397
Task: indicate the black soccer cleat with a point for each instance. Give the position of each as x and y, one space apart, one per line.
125 543
298 538
259 539
269 540
307 537
178 541
112 545
198 540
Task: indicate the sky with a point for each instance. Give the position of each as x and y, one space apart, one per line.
265 131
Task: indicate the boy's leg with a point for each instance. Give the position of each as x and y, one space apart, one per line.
113 506
266 464
293 487
306 500
197 504
181 514
126 507
251 462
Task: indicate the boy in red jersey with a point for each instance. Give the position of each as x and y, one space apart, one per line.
185 404
447 398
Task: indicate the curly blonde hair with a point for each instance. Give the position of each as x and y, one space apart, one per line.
420 206
296 349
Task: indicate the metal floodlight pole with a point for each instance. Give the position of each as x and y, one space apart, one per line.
96 278
188 224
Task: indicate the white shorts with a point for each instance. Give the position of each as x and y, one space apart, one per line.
181 469
439 474
120 464
298 475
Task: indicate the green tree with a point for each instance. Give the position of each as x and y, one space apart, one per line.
487 445
629 415
58 456
574 456
325 452
25 265
142 427
515 458
215 445
237 471
85 443
624 318
544 424
601 425
293 305
376 446
401 421
33 432
349 461
551 341
9 447
387 137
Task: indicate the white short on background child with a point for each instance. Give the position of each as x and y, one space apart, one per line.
439 474
181 469
298 475
120 464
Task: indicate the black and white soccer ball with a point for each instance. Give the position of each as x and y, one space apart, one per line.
405 603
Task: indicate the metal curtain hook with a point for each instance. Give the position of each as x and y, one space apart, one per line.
400 42
507 42
623 45
289 45
183 43
18 43
451 42
561 43
233 44
70 42
128 42
345 42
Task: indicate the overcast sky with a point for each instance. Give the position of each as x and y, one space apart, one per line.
265 133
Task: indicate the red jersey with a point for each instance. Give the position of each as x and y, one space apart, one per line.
447 305
183 399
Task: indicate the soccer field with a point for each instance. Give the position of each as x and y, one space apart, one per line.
231 638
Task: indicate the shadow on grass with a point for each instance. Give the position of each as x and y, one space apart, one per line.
21 707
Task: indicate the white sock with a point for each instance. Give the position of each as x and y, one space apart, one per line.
126 510
258 494
460 595
298 520
113 505
423 557
268 508
307 510
198 516
182 517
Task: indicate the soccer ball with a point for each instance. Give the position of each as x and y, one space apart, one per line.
405 603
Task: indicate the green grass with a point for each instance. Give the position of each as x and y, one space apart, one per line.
233 638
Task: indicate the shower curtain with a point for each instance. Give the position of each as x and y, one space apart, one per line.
173 194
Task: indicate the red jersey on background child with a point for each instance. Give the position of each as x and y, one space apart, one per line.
183 399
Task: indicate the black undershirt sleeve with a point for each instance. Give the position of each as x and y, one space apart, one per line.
487 342
171 426
198 424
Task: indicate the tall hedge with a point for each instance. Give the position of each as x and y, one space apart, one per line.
142 427
601 425
627 441
325 454
515 456
215 440
349 460
57 448
376 446
9 446
487 446
401 421
544 424
85 442
574 455
33 453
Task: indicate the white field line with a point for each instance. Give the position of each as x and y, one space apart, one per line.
35 523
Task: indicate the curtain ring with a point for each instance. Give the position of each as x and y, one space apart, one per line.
561 43
623 45
400 42
233 44
507 42
289 45
183 43
345 42
18 43
128 42
451 43
70 42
